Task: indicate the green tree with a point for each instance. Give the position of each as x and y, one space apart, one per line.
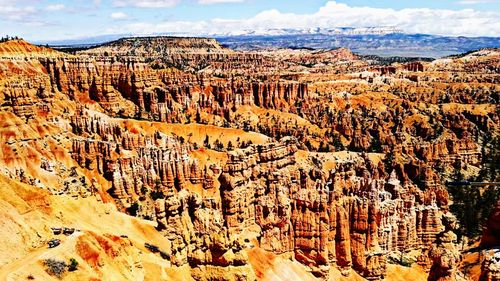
218 145
133 209
73 264
206 142
337 143
389 162
375 144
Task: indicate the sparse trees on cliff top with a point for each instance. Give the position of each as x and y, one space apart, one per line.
8 38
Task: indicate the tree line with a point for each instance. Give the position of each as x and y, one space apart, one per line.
8 38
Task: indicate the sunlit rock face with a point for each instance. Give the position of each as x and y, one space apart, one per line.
312 158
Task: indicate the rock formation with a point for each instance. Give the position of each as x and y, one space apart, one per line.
304 155
444 254
490 268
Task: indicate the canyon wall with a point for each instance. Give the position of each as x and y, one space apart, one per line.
347 174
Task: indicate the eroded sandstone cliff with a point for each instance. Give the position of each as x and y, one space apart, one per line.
310 156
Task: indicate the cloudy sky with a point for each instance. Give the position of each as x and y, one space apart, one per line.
59 19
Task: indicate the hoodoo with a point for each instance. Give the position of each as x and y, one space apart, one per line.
177 158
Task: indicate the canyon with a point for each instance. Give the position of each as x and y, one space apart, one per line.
181 159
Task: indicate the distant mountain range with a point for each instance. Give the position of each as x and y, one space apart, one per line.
380 41
386 45
313 31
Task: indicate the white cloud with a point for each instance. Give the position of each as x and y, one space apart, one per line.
209 2
466 22
55 7
23 13
118 16
15 13
146 3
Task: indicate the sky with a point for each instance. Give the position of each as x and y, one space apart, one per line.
42 20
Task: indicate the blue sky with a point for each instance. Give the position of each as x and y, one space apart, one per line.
58 19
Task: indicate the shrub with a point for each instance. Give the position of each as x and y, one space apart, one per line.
133 209
406 262
55 267
337 143
73 264
219 146
157 195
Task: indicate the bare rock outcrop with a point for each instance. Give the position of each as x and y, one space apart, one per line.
490 268
444 254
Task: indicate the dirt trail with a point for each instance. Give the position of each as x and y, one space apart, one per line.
8 271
